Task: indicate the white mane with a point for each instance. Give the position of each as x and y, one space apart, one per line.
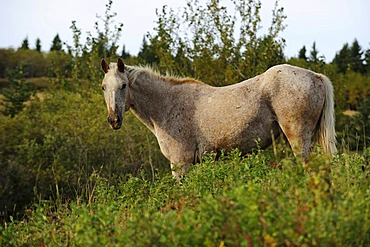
153 74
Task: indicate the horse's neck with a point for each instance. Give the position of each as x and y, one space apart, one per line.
149 100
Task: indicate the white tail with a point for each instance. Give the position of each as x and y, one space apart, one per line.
326 136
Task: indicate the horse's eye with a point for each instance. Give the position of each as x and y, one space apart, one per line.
123 86
103 87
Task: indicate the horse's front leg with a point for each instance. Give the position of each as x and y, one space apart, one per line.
178 151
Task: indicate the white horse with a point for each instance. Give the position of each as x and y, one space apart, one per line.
190 118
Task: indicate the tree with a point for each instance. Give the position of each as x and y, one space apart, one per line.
302 53
38 45
18 92
99 44
314 54
147 54
125 54
7 61
356 58
367 61
205 38
25 44
57 44
343 59
351 58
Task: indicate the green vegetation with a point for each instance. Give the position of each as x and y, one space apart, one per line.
18 92
250 202
61 140
67 179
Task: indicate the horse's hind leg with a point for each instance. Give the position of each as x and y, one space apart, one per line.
299 123
299 138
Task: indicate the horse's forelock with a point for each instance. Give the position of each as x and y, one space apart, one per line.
113 66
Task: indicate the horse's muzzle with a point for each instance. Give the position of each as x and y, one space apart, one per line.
115 121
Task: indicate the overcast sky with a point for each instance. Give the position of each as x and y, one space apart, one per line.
330 23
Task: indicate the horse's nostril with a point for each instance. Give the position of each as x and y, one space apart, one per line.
113 120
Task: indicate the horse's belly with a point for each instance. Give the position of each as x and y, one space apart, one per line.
228 135
238 118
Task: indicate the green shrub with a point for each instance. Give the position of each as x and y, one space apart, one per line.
55 144
229 202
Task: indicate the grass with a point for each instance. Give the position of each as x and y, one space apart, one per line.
251 201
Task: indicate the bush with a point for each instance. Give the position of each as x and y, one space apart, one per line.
233 201
55 144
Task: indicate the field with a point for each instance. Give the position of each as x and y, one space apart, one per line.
83 197
252 201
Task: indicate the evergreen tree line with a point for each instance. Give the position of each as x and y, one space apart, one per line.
38 63
56 44
183 43
349 58
203 41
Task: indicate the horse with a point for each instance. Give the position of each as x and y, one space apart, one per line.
190 118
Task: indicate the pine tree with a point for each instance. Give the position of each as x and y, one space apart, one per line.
125 54
57 44
146 53
352 58
343 59
302 53
18 93
38 45
314 54
25 44
356 57
367 61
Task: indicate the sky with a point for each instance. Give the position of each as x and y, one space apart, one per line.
329 23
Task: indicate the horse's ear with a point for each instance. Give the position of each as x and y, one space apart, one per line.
120 65
104 66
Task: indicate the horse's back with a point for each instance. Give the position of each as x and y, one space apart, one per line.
292 77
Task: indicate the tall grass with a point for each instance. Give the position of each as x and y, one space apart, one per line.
233 201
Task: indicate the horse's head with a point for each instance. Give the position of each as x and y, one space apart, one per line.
115 88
